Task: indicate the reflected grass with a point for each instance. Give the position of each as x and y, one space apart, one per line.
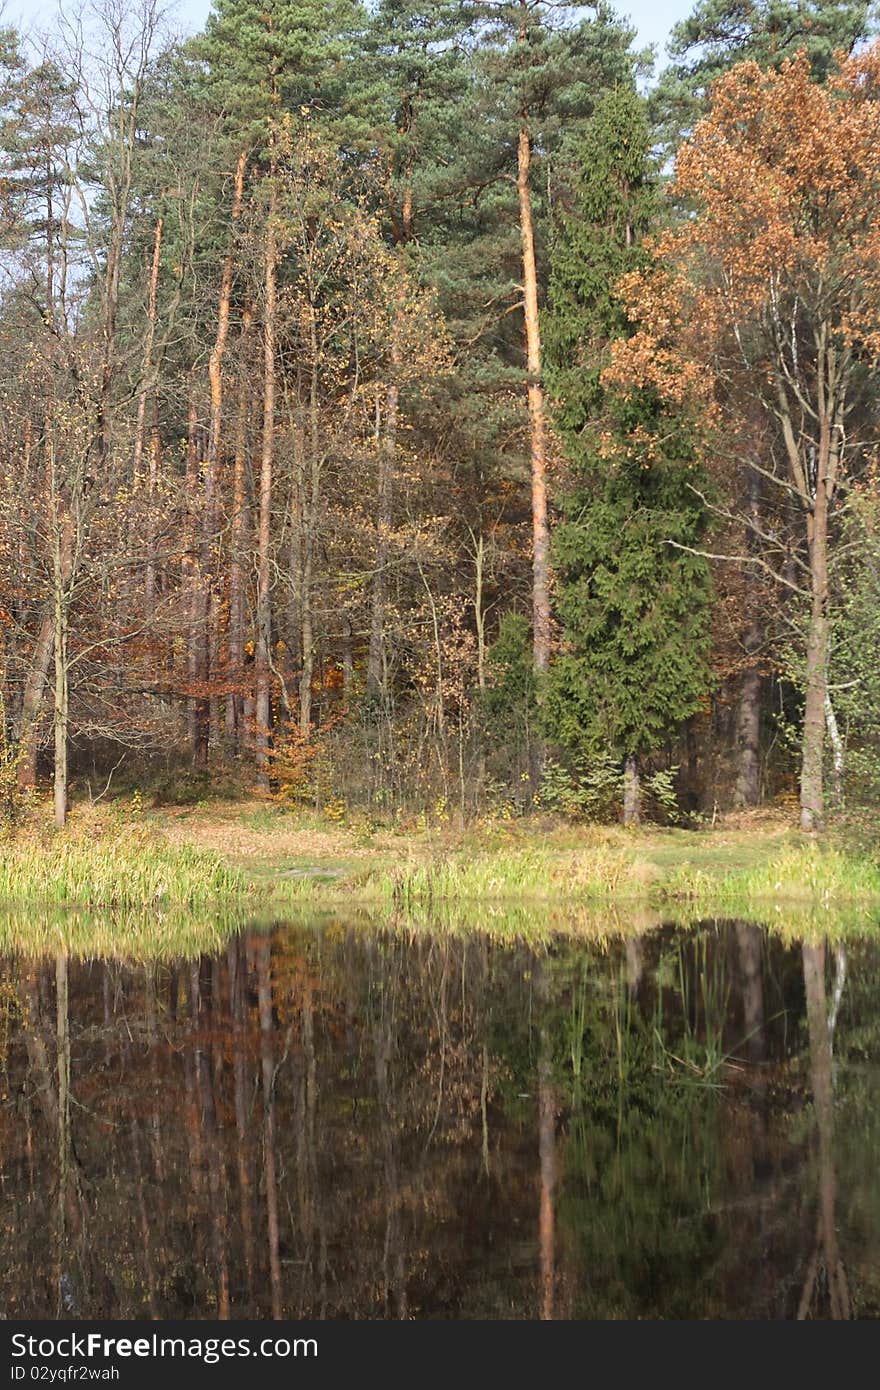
132 937
178 934
534 922
542 923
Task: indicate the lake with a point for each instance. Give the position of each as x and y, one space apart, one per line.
341 1119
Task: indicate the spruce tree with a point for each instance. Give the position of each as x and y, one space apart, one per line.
541 70
633 605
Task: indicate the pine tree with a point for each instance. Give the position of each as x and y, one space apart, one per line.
542 69
475 100
267 57
719 33
267 65
411 75
633 606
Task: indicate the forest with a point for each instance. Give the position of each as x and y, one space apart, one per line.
418 407
439 680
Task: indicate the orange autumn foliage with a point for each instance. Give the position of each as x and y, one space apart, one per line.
763 304
784 175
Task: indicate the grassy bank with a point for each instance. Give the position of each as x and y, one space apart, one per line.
750 860
108 864
803 885
252 857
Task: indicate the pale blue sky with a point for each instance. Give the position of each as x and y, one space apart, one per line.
652 18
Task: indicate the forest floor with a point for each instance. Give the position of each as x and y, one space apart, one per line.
266 842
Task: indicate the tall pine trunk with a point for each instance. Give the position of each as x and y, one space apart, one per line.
264 534
202 638
747 789
32 700
311 503
62 568
537 413
827 1267
238 532
387 441
61 701
140 433
190 578
547 1156
387 448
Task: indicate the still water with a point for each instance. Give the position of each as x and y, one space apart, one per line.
343 1121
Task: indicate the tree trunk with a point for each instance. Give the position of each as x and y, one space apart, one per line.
836 742
28 736
147 367
828 1256
747 790
310 520
189 566
215 362
387 452
547 1157
111 308
216 1164
237 957
394 1268
748 941
62 570
267 1057
238 532
61 685
537 414
199 714
205 597
479 611
35 684
66 1207
403 231
813 743
264 616
632 808
152 492
308 649
347 655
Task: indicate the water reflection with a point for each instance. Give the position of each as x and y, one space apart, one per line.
330 1121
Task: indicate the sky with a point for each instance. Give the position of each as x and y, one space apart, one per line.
652 18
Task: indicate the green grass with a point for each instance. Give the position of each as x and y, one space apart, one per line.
653 869
596 872
804 872
127 868
110 861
